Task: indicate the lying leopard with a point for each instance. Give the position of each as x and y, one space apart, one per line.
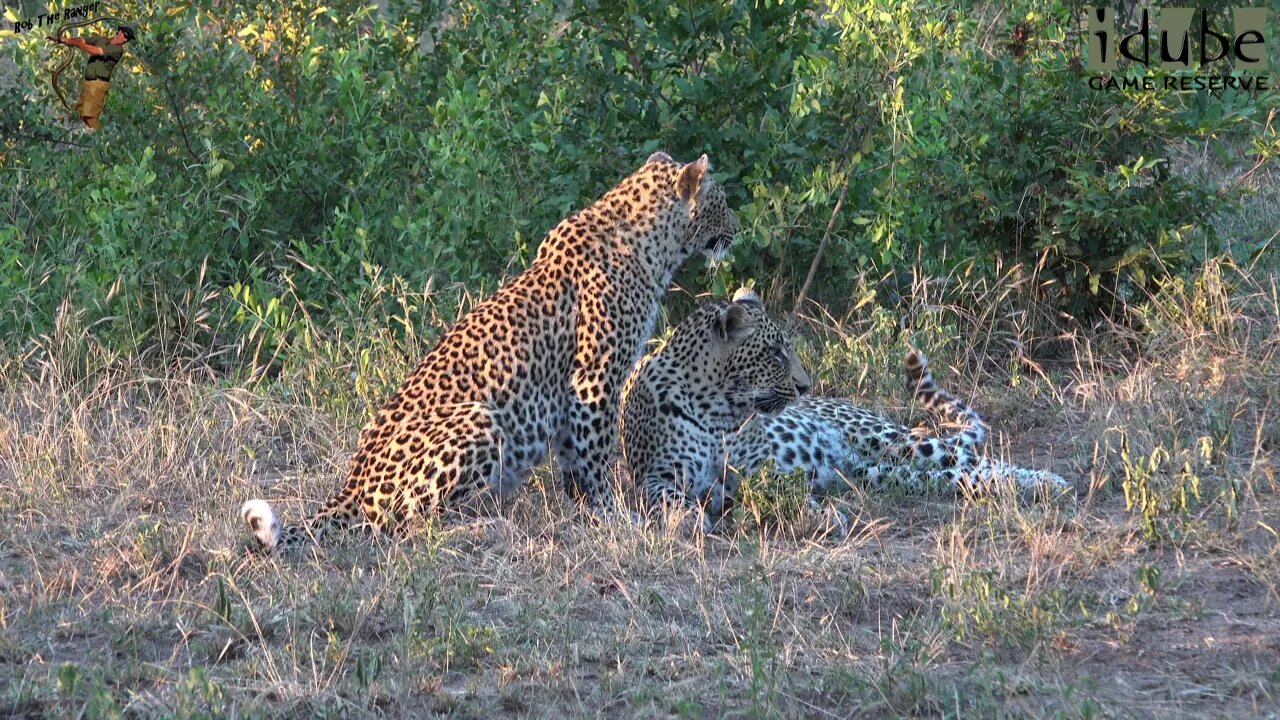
538 365
726 362
836 443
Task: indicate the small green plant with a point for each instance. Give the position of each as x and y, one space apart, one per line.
768 500
68 679
1163 488
465 644
977 604
419 600
759 643
1148 577
902 676
199 697
99 703
222 608
368 669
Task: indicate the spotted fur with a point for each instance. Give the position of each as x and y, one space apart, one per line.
726 362
836 443
538 365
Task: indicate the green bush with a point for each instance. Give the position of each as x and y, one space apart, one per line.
296 153
1023 160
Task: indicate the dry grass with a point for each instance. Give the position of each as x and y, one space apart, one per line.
124 587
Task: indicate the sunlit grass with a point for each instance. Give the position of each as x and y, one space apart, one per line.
124 586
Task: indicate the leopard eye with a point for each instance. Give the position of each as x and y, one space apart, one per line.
780 354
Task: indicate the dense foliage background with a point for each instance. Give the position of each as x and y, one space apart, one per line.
269 163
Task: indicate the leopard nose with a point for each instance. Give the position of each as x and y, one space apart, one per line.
802 388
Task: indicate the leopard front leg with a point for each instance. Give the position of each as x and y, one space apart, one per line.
585 447
605 350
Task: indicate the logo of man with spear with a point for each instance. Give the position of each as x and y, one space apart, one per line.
104 53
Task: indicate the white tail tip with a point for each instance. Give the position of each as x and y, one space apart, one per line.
262 523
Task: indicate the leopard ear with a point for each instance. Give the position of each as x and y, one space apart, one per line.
689 181
659 157
734 323
746 296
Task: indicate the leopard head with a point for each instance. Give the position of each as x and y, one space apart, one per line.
711 224
760 370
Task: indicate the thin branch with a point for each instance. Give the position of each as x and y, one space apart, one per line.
48 139
822 249
826 235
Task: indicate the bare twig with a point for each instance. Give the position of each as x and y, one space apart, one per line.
45 138
822 249
826 235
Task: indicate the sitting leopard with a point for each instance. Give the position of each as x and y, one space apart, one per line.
724 363
835 443
539 364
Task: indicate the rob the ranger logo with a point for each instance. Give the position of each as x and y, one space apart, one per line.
1245 48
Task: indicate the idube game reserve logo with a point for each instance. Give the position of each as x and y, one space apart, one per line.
1169 47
